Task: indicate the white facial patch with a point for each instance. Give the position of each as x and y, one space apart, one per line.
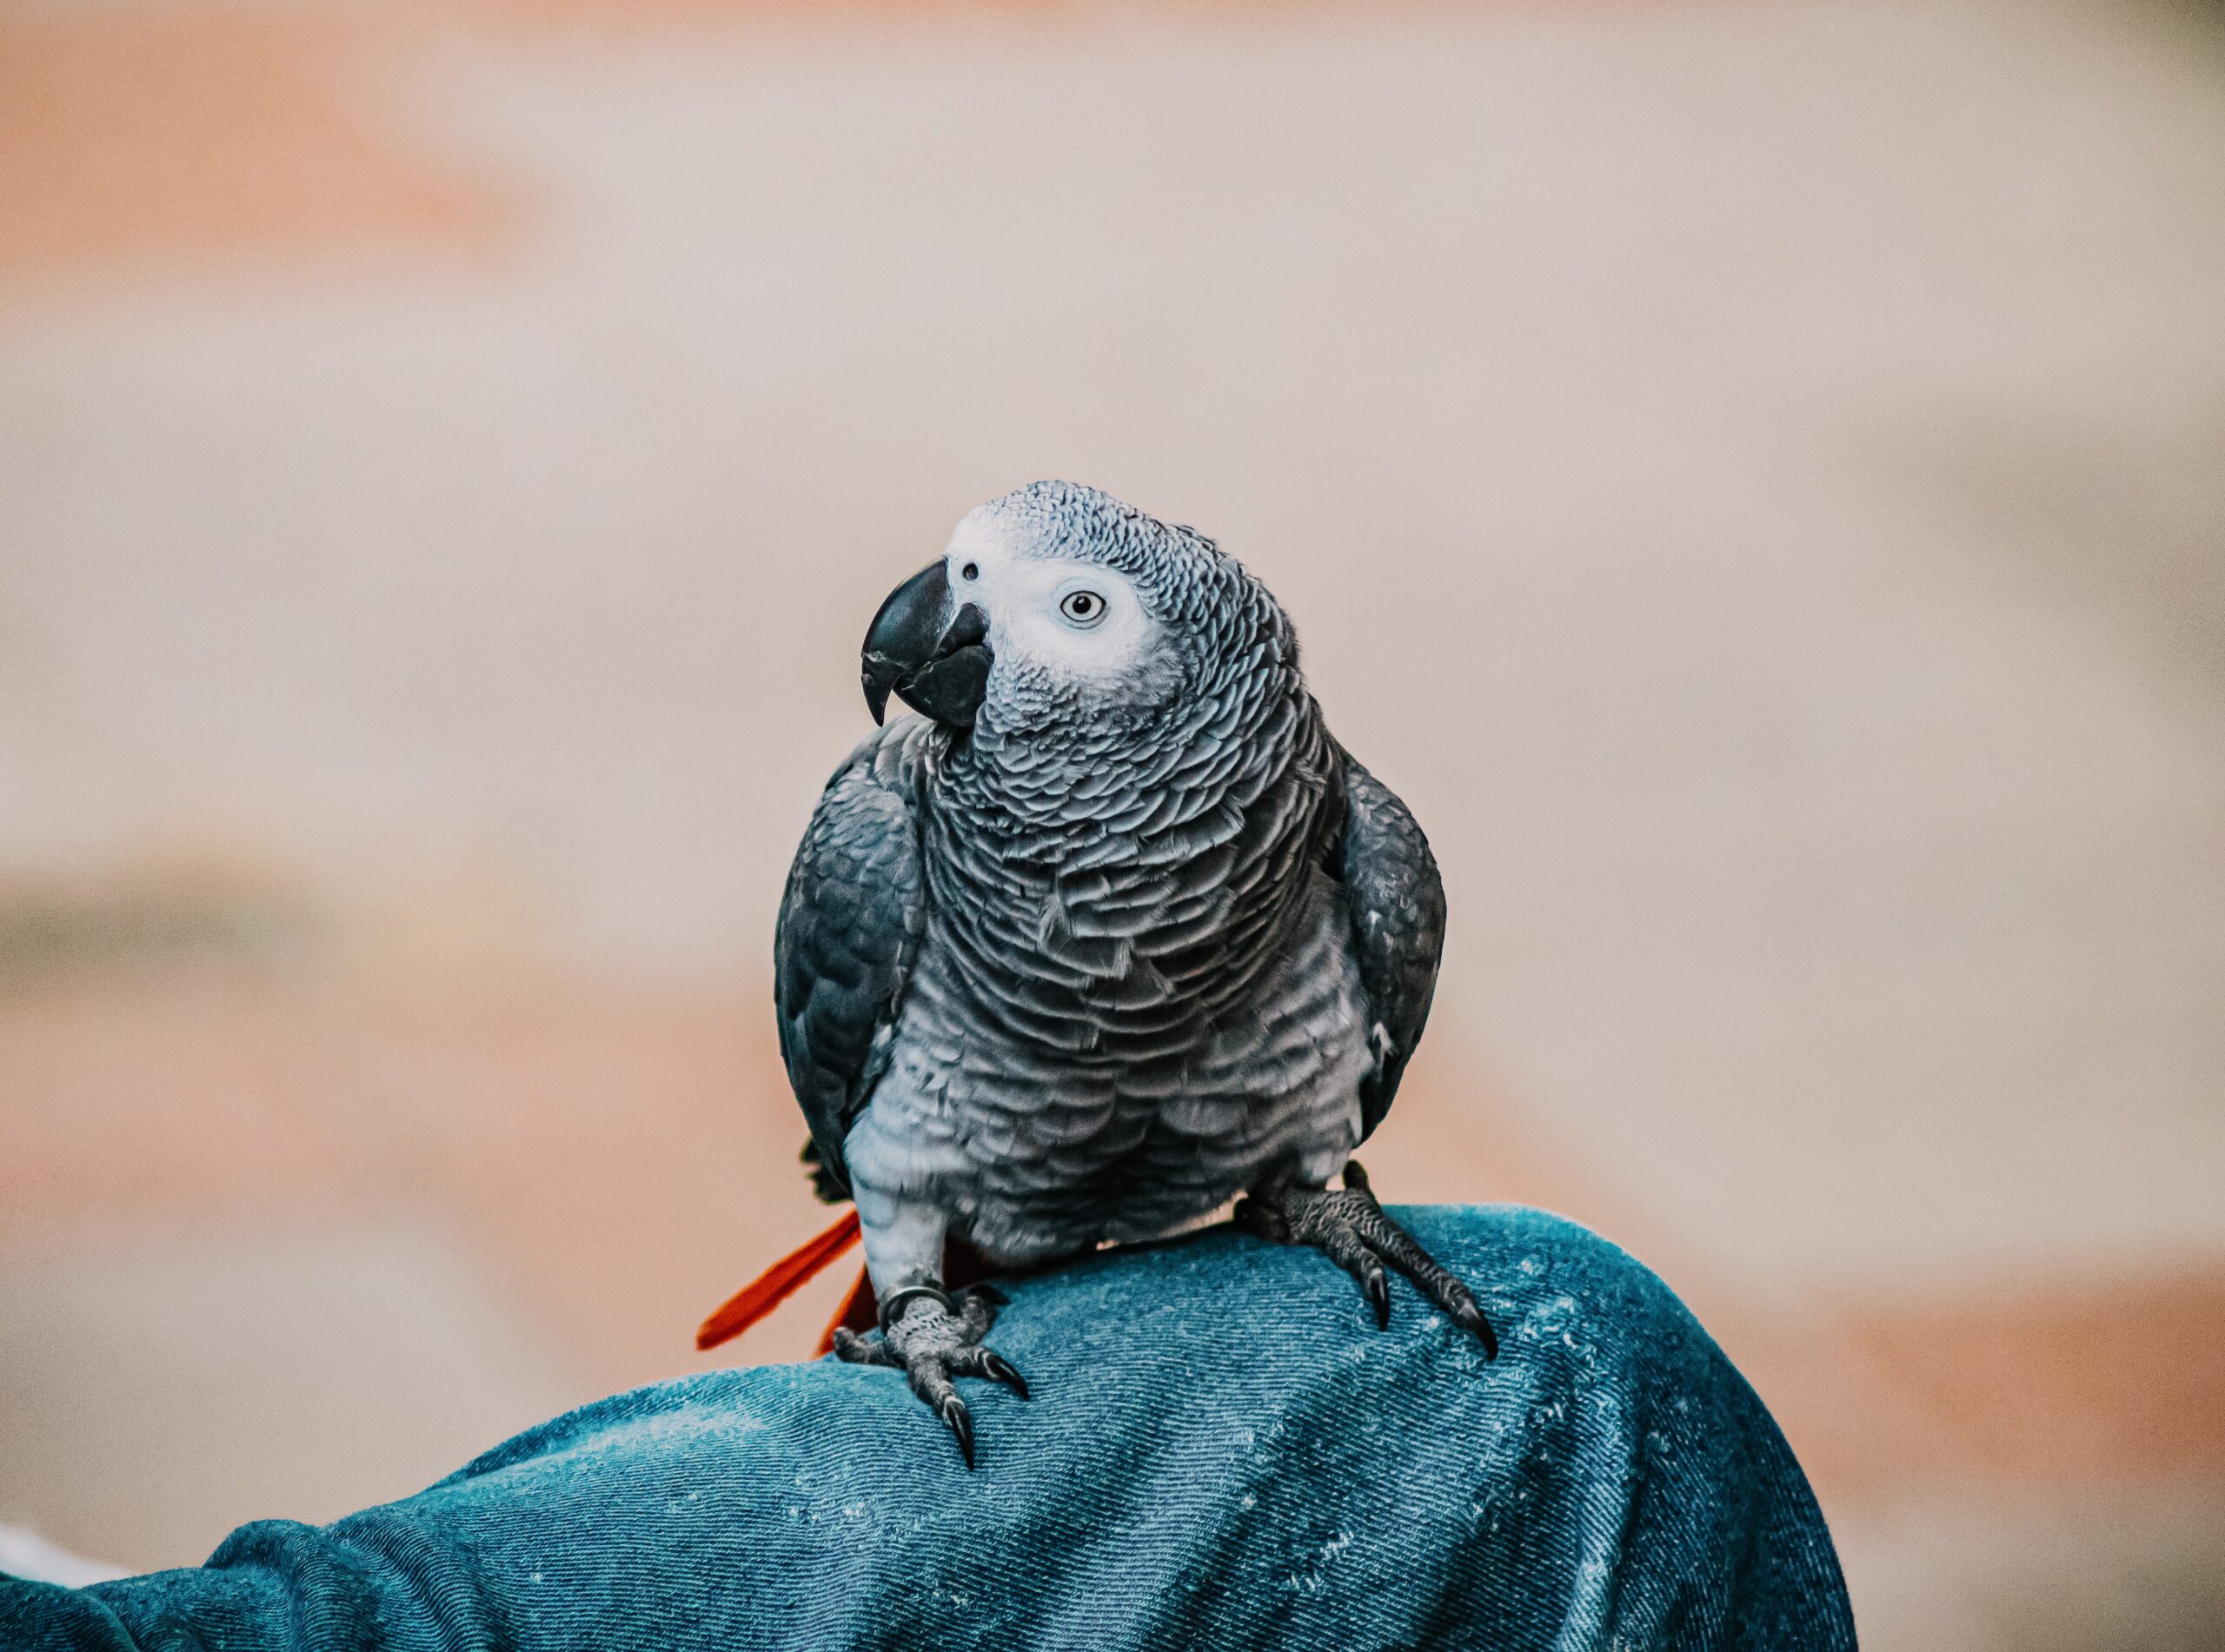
1076 621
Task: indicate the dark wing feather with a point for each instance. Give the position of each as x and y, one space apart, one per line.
851 920
1397 913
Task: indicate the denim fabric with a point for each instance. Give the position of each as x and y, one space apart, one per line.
1222 1451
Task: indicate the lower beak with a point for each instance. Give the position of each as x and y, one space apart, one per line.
936 661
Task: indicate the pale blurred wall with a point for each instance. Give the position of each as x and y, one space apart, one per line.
1748 475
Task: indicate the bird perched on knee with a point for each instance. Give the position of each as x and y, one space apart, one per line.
1110 934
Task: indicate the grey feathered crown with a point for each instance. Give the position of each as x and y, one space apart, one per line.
1185 578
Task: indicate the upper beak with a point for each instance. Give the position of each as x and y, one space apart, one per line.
938 662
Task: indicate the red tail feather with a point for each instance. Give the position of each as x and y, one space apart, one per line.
771 1288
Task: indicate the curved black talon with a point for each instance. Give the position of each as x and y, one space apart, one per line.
1377 1289
961 1423
1471 1319
996 1368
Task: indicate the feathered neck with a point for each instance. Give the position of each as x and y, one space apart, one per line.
1072 780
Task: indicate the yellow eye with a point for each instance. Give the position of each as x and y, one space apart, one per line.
1082 607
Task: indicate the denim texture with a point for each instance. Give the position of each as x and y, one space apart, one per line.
1222 1451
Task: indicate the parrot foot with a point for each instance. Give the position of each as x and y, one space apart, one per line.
1359 1238
931 1344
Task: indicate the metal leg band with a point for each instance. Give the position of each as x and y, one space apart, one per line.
893 1307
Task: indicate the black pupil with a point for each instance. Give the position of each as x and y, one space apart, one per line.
969 572
1083 605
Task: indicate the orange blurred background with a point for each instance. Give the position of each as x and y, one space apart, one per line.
1747 474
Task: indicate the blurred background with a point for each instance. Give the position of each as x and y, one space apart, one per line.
1752 475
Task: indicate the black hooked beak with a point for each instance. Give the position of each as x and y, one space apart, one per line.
937 668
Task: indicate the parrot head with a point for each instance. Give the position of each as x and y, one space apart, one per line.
1059 604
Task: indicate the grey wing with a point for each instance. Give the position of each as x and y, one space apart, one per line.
851 921
1398 915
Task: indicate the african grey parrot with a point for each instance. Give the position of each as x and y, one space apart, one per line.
1113 932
